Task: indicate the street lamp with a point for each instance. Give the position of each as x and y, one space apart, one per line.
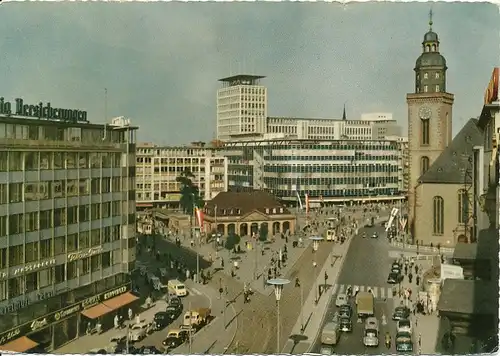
316 240
278 284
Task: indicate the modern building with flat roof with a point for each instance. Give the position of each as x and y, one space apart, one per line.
158 168
67 224
327 171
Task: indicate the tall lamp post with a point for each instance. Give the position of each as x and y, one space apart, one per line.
278 284
315 241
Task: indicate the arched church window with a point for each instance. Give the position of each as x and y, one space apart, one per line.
427 48
463 206
424 164
433 48
425 132
438 215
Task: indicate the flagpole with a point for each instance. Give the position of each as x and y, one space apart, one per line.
195 211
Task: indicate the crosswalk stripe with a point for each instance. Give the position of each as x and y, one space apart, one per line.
378 292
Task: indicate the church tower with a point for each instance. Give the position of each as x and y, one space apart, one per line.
429 115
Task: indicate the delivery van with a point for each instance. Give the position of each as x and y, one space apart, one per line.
177 288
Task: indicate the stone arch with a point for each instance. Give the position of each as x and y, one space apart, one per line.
231 229
220 229
243 229
264 227
462 238
427 48
433 48
276 227
286 226
254 229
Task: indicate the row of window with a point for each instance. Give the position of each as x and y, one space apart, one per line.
338 193
28 161
44 249
334 158
34 281
336 145
331 182
47 219
315 168
18 192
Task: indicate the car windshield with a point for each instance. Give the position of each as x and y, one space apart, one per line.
180 287
137 326
171 309
371 332
404 324
172 334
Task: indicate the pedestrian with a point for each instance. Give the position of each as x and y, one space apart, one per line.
420 340
192 243
130 314
187 273
222 262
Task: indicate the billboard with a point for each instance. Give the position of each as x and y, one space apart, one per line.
451 272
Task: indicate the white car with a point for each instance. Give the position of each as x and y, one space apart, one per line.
404 326
371 338
341 300
139 331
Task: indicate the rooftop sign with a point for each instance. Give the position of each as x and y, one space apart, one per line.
41 111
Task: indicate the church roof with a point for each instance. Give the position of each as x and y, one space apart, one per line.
451 164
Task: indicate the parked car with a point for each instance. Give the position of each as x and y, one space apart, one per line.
394 278
401 313
175 301
173 312
139 331
149 350
341 300
174 339
404 325
161 320
98 352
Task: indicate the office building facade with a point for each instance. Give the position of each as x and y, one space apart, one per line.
158 168
241 107
67 227
328 171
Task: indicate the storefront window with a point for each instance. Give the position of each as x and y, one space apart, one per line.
44 338
65 331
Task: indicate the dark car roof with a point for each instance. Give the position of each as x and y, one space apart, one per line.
162 313
345 320
401 309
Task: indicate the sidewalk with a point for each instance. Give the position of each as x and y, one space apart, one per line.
101 341
425 327
301 341
423 249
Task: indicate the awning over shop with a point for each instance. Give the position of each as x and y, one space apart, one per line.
120 301
96 311
21 344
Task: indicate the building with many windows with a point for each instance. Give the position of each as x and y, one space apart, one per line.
241 107
67 228
158 168
328 171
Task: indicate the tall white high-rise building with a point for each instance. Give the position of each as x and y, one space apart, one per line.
241 107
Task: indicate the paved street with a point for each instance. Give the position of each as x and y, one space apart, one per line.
367 265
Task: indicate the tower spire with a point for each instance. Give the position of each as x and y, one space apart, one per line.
343 114
430 20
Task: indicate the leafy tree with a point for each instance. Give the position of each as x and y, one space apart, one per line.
231 241
264 232
190 193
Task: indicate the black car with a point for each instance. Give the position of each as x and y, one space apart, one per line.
121 349
172 342
173 312
345 325
175 301
401 313
375 235
161 320
98 352
345 311
149 350
394 278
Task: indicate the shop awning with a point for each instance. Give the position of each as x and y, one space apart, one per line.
96 311
21 344
120 301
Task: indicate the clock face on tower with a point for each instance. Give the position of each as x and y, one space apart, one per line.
425 113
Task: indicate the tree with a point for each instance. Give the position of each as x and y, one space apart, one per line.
231 241
190 193
264 231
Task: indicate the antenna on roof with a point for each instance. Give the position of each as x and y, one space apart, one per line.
105 114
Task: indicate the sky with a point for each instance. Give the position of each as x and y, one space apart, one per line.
160 62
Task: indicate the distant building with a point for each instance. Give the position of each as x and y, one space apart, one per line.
247 214
328 171
241 107
158 168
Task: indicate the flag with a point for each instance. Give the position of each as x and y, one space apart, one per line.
199 217
307 203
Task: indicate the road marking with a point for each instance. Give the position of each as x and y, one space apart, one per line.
334 289
361 288
382 292
377 291
195 291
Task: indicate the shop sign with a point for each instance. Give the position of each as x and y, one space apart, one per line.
64 313
41 111
17 304
491 93
31 267
84 253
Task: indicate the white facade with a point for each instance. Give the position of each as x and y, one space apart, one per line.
241 108
377 116
158 169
